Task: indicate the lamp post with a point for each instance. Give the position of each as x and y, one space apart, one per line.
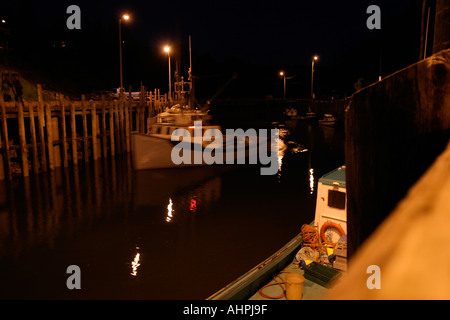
315 58
124 17
167 49
283 74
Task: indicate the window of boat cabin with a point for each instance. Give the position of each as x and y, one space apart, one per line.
168 119
336 199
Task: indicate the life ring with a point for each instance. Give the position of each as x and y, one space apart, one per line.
327 225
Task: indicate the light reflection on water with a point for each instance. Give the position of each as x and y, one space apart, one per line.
106 218
135 264
169 211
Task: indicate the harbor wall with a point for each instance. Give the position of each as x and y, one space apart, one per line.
395 129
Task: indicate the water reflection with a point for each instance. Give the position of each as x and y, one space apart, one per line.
135 264
169 211
193 206
311 180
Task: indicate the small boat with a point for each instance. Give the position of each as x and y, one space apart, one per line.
264 280
309 116
292 113
328 120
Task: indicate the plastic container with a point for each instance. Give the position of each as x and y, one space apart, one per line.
294 286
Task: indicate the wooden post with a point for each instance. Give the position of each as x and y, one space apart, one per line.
73 129
150 106
22 139
142 107
6 153
51 155
94 130
122 126
57 147
127 125
117 128
111 128
64 135
33 138
85 129
137 116
41 122
105 143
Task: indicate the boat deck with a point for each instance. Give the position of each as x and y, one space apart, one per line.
311 290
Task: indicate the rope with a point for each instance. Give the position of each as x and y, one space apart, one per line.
311 237
281 282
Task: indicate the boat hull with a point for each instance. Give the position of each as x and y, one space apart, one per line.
150 152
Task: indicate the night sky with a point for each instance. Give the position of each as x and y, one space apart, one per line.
253 39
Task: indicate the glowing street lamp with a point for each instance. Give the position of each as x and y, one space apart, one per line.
167 49
283 74
125 17
315 58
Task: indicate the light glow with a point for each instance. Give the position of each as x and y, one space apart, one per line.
135 264
169 211
311 180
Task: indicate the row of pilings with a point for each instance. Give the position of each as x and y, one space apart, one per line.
38 136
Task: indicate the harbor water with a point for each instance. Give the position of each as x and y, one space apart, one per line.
167 234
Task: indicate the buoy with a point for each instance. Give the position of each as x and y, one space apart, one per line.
327 225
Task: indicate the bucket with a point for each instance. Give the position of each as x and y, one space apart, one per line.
294 286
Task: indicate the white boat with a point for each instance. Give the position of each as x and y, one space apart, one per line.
292 113
309 116
328 120
154 150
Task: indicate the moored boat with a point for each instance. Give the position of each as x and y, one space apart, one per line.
310 254
186 134
327 120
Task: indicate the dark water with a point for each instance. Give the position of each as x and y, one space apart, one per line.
117 226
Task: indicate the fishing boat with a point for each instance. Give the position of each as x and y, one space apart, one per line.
327 120
155 149
301 256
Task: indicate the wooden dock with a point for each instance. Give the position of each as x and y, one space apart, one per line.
40 135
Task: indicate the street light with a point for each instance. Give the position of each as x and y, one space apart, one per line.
315 58
124 17
167 49
284 80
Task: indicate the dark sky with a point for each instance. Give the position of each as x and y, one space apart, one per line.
229 35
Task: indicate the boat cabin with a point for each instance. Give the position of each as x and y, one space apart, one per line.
163 124
331 206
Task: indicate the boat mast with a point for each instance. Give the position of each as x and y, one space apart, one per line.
191 78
